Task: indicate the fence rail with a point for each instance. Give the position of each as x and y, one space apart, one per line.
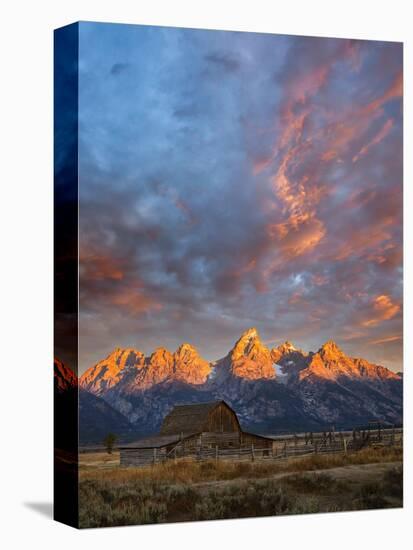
290 448
281 449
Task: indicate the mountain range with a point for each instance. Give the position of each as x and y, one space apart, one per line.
272 390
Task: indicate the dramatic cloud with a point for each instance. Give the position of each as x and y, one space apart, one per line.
387 339
230 180
385 129
383 309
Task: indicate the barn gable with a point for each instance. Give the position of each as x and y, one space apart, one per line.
215 416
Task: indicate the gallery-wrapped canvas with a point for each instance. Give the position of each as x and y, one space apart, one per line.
228 274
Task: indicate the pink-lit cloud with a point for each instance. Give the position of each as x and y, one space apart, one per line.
383 308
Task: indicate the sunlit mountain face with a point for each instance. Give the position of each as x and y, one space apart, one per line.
272 390
232 180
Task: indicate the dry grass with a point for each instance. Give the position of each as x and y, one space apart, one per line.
103 504
188 490
89 461
368 455
190 471
320 483
107 503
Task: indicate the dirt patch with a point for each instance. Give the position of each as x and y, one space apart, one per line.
354 474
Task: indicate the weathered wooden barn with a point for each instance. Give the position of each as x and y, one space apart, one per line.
201 431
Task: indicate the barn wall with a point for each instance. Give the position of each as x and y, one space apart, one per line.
191 447
190 443
256 440
222 419
220 439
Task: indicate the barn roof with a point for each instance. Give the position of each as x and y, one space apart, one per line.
266 437
182 422
187 419
156 441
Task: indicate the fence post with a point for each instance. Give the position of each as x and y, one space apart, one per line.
252 452
285 449
345 445
216 453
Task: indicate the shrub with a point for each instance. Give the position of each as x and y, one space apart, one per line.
245 500
370 496
104 505
318 483
393 482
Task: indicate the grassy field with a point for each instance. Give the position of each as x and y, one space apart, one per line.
187 490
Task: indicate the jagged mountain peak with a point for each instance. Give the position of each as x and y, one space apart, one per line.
287 347
246 343
160 349
129 370
250 358
331 350
251 332
331 363
159 354
123 357
372 371
186 349
285 352
109 371
189 366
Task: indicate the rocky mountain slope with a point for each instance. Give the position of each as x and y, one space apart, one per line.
272 390
129 371
249 359
328 363
96 417
64 378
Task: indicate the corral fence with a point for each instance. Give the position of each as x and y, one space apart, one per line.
293 446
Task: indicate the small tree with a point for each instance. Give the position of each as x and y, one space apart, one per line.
109 442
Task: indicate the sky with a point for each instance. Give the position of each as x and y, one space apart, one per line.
230 180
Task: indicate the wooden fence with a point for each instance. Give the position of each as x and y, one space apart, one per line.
293 447
282 447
